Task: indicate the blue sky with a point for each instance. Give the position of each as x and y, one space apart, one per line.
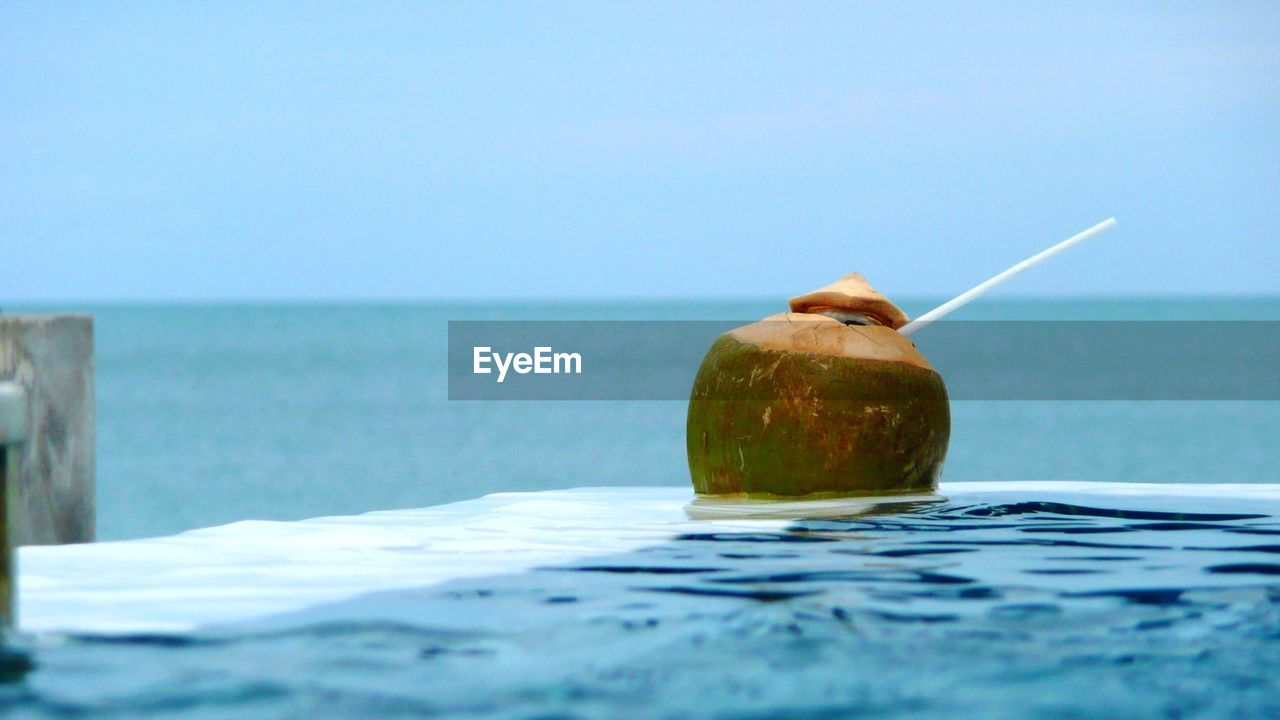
487 150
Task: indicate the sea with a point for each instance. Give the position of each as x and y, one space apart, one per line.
216 413
208 414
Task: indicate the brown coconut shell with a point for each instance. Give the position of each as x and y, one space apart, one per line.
802 404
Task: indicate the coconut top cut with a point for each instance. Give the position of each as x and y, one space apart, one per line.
814 333
851 299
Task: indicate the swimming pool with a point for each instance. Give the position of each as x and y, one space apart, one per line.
993 599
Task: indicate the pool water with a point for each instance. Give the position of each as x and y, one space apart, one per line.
1123 602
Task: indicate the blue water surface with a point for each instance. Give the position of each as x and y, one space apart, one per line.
965 608
1001 608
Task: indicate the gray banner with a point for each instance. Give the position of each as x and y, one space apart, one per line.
999 360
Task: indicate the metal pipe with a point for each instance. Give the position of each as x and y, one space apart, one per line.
13 431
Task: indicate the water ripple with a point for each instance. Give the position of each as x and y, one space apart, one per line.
949 610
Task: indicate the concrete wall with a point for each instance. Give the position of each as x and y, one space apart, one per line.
51 356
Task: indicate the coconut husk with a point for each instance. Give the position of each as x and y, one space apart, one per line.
851 294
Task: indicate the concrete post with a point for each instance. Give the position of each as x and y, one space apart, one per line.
51 495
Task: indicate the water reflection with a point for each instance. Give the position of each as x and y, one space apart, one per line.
936 609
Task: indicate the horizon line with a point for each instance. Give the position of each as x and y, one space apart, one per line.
592 299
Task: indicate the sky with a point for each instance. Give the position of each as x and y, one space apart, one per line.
425 150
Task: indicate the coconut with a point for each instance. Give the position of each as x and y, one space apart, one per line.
826 400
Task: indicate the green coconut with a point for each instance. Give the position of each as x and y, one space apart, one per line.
826 400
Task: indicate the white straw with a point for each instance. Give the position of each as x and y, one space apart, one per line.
963 299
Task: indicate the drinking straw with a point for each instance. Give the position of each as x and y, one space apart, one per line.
966 297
